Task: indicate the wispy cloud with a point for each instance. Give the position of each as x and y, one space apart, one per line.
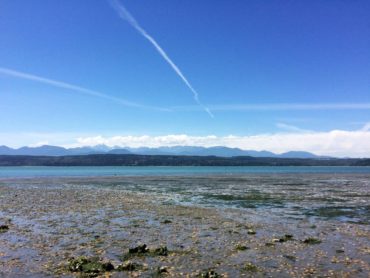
292 128
75 88
280 107
125 15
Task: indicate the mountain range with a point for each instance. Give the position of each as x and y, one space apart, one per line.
47 150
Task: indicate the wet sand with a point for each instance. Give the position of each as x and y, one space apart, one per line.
50 221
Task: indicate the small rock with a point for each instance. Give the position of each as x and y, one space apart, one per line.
251 232
162 269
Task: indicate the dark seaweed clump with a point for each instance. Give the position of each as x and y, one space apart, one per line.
250 267
129 266
312 240
4 228
240 247
285 238
143 250
209 274
89 265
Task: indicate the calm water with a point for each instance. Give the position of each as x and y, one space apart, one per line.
8 172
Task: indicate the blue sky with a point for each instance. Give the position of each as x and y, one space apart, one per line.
266 67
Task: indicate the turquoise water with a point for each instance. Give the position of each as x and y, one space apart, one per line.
9 172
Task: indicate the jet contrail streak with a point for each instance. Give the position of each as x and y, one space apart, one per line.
125 15
75 88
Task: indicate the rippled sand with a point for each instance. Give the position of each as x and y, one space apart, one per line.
253 225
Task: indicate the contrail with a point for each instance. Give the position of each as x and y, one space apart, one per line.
75 88
125 15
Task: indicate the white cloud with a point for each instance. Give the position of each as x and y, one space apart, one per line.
339 143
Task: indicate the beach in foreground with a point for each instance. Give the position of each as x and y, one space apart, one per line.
312 225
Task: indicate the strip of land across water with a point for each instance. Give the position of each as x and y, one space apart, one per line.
172 160
302 225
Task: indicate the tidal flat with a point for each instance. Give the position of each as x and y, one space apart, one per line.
271 225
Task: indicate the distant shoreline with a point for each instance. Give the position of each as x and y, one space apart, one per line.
172 160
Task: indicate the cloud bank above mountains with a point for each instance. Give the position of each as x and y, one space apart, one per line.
336 143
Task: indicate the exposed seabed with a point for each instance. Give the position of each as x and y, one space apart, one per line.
240 226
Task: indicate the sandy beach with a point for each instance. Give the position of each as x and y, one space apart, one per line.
85 227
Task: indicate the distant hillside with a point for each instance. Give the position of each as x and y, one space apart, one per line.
170 160
177 150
